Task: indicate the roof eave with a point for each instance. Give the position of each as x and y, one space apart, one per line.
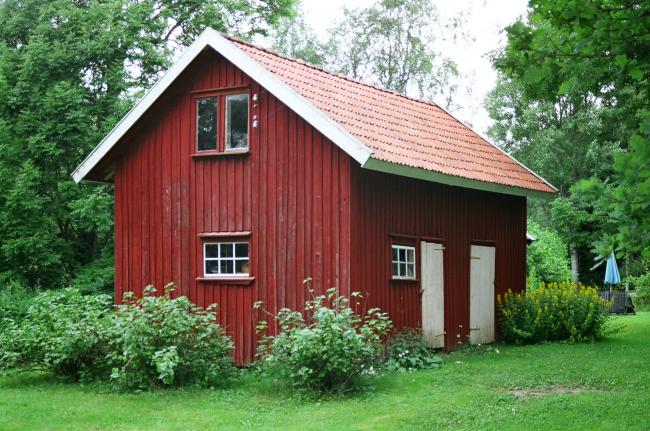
437 177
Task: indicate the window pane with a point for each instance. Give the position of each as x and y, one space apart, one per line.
226 267
410 255
402 255
241 250
395 273
241 266
206 124
402 269
211 250
226 250
212 267
410 270
237 121
394 254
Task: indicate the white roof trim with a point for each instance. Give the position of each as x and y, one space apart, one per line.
323 123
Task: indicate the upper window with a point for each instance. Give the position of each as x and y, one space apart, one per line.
236 121
222 122
403 262
225 259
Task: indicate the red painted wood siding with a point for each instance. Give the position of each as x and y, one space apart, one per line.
291 192
387 208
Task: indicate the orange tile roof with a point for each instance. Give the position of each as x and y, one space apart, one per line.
397 128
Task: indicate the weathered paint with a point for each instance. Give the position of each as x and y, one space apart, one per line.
291 192
388 209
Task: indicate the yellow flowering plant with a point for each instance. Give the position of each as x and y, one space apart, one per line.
553 312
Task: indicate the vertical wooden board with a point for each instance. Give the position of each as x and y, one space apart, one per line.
433 293
482 295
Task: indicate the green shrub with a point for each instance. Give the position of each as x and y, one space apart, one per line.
553 312
169 342
407 351
64 333
547 258
329 348
15 299
641 285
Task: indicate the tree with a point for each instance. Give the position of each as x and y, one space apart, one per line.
392 44
547 258
68 72
294 38
596 49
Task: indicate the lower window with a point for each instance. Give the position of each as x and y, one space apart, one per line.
225 259
403 262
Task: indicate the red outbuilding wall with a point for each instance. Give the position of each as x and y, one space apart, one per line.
389 209
291 192
306 207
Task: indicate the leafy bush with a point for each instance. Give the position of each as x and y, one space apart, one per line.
641 285
555 311
15 299
407 351
62 332
169 342
330 347
547 259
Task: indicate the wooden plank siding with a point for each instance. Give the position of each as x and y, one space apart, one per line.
291 191
310 209
388 209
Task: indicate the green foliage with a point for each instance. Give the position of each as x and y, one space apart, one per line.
552 312
15 300
68 72
594 55
547 257
329 348
63 333
168 342
407 351
641 286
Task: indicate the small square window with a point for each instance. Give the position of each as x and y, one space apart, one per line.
403 262
236 122
226 259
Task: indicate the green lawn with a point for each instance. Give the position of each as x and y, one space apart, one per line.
597 386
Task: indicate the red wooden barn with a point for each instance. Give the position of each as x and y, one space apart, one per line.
243 172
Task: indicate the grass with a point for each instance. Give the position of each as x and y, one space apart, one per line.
595 386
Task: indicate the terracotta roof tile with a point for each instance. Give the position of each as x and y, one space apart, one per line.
397 128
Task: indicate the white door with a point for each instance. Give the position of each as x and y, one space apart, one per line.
433 294
481 295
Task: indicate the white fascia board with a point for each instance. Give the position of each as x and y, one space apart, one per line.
437 177
266 79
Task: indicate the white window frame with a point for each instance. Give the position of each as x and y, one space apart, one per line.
398 261
220 259
226 122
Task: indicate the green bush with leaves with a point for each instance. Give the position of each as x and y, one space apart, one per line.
15 300
165 341
553 312
547 258
641 286
407 351
329 348
64 333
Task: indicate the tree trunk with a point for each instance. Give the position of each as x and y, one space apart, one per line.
575 265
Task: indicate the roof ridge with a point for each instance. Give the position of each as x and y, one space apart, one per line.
337 75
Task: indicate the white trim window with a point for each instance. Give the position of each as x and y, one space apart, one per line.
403 262
229 259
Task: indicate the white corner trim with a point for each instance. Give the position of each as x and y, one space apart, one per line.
450 180
266 79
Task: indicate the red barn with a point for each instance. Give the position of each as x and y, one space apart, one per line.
243 172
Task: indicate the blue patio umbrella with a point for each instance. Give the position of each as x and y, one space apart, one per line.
612 275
